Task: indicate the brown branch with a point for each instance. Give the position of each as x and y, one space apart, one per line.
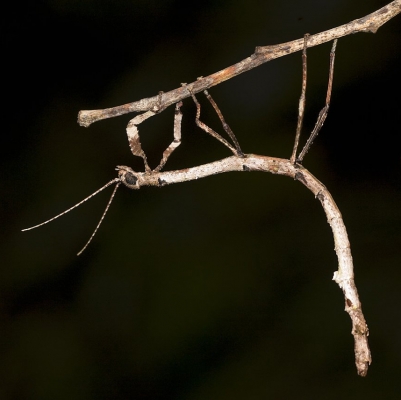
369 23
344 276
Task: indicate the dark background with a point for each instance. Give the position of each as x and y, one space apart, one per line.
214 289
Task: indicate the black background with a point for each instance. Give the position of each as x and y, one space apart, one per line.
214 289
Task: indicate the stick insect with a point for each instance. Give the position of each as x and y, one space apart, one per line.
135 180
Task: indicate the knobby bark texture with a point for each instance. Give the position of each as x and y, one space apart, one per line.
344 276
369 23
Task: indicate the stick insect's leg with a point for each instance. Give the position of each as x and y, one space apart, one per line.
133 137
225 125
301 107
323 113
133 133
204 127
177 137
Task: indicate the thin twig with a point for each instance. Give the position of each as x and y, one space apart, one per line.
369 23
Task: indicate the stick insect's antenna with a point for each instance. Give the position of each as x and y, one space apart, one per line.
116 180
101 219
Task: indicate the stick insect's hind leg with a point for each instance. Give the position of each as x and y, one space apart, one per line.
177 137
323 113
207 129
301 106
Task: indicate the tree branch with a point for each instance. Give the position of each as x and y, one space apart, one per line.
369 23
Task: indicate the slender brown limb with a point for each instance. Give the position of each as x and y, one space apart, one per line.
370 23
302 99
324 111
207 129
225 125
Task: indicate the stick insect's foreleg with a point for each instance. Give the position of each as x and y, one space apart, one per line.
177 137
209 130
133 133
323 113
133 137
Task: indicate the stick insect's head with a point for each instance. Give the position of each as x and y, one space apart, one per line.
128 177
